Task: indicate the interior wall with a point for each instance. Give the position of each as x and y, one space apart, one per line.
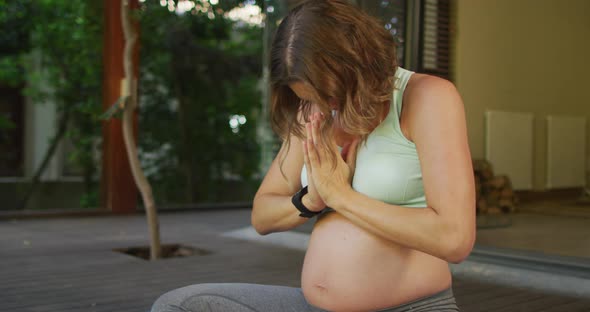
523 56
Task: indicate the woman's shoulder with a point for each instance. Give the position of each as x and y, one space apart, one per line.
423 89
419 84
427 97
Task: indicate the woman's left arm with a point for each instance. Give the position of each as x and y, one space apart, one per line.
437 125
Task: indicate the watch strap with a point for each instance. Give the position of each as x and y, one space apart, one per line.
297 202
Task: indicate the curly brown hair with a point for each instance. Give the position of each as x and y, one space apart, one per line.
344 54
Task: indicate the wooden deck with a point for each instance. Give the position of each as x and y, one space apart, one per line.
68 265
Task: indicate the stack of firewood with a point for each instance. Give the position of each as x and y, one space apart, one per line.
494 193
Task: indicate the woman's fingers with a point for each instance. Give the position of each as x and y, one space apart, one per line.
315 125
351 154
310 146
319 147
321 144
306 156
312 155
308 138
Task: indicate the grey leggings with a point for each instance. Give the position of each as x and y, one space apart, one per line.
237 297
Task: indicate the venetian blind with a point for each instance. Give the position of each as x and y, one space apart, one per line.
435 49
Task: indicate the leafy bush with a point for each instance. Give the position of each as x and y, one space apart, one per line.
198 70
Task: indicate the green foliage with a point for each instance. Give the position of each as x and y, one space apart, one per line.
196 72
12 70
14 36
89 199
6 123
69 36
14 40
56 47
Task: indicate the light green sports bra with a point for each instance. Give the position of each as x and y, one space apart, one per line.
387 166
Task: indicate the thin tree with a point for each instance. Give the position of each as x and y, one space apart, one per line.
128 103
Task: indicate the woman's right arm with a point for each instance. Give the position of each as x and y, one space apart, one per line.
272 209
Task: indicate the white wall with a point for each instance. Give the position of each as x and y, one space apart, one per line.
523 56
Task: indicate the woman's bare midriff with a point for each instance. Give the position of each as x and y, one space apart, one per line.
349 269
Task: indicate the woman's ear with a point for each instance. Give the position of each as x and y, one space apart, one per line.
333 104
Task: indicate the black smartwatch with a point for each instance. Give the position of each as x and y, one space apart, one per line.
296 200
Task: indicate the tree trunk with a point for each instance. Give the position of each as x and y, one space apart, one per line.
131 92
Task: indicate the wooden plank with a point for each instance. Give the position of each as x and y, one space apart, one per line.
536 304
83 274
518 298
489 293
578 305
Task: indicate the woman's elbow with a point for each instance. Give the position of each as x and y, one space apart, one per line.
255 220
461 246
259 227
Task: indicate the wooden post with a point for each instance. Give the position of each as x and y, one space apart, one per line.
118 190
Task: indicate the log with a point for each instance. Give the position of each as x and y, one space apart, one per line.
507 193
494 194
483 168
482 206
494 210
497 182
478 188
507 205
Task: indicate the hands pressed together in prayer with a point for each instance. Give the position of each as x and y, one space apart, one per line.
328 173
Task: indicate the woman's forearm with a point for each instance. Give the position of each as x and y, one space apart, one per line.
275 213
422 229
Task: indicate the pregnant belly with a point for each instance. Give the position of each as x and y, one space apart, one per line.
349 269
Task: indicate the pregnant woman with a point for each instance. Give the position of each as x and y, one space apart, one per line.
377 154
